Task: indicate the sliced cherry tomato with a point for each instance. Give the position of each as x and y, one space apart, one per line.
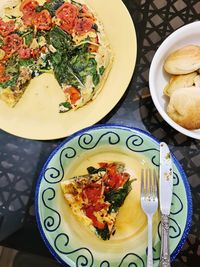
83 25
28 19
28 6
42 20
74 94
67 14
92 192
90 209
12 43
28 9
6 27
24 53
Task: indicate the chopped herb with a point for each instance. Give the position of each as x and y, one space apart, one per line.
101 70
95 27
65 106
95 78
1 42
76 3
11 17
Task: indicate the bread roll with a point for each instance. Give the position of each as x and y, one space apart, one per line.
180 81
184 60
184 107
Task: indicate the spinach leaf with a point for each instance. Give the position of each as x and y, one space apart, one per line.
59 39
85 65
101 70
28 38
51 6
92 170
65 74
26 62
65 106
104 233
117 197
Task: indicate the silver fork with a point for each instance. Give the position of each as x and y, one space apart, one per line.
149 203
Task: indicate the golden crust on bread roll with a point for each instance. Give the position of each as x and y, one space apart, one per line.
180 81
184 107
183 61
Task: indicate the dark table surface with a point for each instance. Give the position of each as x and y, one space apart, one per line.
21 159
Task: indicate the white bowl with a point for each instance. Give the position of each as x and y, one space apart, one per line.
158 78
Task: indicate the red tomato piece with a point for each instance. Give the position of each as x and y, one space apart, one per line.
42 20
28 19
92 193
89 210
24 53
28 9
12 43
112 178
83 25
28 6
6 27
74 94
67 14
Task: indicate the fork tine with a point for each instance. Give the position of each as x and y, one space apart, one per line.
155 183
142 183
150 182
146 182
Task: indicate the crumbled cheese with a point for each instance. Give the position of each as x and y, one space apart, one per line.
34 44
52 49
2 54
42 41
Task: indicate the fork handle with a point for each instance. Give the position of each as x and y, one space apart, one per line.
150 251
165 254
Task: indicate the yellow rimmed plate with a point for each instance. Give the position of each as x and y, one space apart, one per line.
36 115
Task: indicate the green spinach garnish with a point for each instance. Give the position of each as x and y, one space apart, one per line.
104 233
26 62
65 106
117 197
101 70
93 170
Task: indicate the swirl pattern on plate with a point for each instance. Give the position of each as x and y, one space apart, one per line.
118 138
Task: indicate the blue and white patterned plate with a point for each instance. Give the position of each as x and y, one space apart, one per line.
68 240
